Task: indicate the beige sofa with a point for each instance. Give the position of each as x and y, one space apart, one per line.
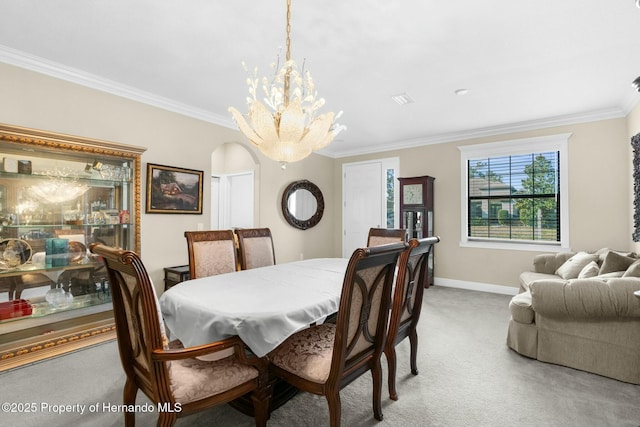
584 320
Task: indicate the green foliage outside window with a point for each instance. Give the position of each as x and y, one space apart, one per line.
514 197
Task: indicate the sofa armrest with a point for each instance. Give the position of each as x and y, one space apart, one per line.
520 308
549 263
586 298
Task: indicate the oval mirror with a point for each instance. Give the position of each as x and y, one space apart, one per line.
302 204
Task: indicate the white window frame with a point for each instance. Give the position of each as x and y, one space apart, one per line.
557 143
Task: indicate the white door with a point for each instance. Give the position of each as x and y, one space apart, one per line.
232 201
216 198
364 200
241 200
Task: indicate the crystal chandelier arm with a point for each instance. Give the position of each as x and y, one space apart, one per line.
244 126
292 125
318 130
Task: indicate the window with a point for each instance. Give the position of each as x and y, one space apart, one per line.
514 194
391 198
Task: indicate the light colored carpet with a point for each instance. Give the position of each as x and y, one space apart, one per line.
468 377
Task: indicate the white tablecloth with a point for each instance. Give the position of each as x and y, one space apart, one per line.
263 306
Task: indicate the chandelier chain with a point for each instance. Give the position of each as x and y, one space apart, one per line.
287 76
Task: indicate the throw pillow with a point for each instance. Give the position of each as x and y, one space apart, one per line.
602 253
574 265
633 270
590 270
613 261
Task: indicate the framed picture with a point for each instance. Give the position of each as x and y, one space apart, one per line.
173 190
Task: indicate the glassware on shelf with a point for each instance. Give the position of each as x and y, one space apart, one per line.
96 218
55 297
67 299
59 298
73 217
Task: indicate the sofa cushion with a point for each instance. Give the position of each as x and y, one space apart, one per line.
611 275
633 270
590 270
572 267
592 299
520 308
602 253
614 261
549 263
528 277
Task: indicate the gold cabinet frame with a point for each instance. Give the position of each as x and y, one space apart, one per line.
42 341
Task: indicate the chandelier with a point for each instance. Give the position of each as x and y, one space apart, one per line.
285 127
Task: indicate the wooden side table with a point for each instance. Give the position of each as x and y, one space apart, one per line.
175 275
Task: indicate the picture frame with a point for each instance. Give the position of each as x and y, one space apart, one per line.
173 190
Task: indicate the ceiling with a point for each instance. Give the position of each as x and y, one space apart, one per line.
525 64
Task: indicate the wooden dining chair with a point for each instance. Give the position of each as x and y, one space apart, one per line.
171 376
255 246
323 359
211 252
411 281
383 236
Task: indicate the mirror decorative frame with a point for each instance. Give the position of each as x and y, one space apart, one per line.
315 192
635 144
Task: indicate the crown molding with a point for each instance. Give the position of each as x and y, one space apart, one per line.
630 102
605 114
43 66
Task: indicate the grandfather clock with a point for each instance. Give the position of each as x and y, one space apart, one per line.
416 210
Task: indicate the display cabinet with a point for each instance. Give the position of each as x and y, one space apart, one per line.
58 195
416 211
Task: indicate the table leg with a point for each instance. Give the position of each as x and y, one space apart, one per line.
281 393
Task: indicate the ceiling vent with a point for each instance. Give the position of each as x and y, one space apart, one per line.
402 99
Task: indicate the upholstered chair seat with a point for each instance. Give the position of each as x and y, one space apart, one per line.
194 379
307 353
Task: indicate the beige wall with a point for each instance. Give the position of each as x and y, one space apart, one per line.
36 101
599 181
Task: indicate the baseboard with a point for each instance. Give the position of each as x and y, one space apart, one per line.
475 286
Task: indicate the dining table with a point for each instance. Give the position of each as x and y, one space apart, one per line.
263 306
